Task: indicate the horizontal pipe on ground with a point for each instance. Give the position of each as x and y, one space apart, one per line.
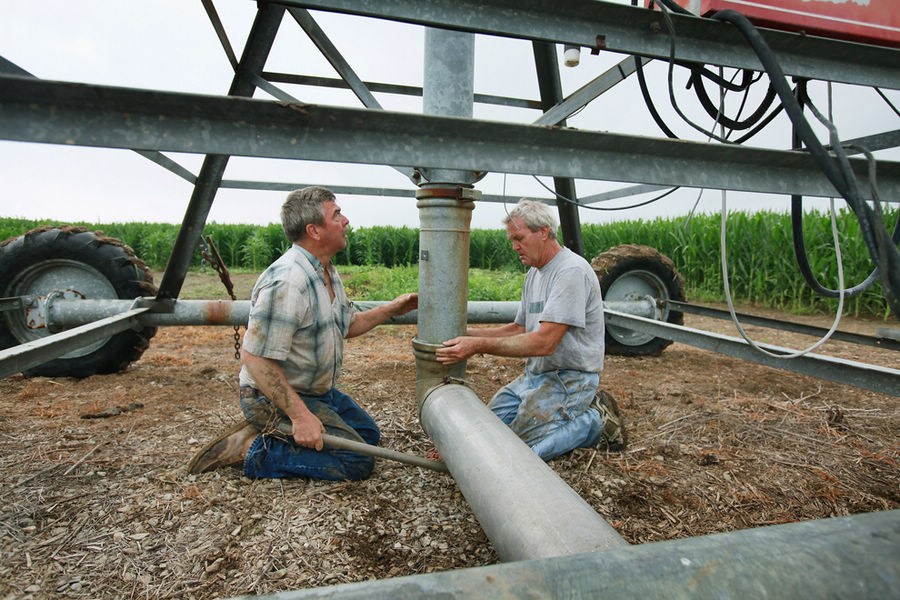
523 506
68 313
841 557
65 313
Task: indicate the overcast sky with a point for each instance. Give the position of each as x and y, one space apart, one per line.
170 45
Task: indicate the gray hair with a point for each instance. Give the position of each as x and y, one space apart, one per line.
534 214
304 207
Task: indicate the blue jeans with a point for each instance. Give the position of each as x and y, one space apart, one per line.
274 454
551 411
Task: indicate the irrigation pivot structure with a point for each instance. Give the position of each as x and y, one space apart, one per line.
75 303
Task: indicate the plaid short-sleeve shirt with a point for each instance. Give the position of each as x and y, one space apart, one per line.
295 323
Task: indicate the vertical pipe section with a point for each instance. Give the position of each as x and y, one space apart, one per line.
443 280
445 205
525 509
448 88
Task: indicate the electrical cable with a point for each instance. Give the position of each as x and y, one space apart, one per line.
838 172
799 243
700 91
578 204
730 302
747 80
711 109
670 28
648 101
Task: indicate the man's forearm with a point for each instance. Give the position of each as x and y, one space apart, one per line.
366 320
507 330
272 383
521 345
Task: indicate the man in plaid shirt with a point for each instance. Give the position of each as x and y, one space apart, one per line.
291 357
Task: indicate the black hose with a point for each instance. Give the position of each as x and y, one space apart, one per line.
797 236
747 78
714 111
642 81
838 172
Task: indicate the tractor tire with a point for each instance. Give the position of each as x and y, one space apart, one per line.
78 263
629 272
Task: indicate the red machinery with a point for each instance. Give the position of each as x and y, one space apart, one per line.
867 21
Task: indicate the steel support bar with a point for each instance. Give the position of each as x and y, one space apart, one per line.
525 509
91 115
390 88
160 159
841 557
550 87
31 354
846 336
334 57
638 31
256 50
883 380
338 62
357 190
588 92
632 190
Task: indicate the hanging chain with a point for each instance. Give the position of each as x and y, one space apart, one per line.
210 254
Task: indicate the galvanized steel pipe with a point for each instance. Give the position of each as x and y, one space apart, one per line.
66 313
525 509
63 314
445 203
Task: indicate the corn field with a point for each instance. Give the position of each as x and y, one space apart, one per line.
761 263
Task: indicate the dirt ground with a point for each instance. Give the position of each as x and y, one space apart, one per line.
102 507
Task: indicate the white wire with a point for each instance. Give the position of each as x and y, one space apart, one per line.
840 266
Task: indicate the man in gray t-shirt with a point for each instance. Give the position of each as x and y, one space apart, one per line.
555 405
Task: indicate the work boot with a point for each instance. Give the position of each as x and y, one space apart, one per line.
227 449
612 437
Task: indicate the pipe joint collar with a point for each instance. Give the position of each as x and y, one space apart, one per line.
449 193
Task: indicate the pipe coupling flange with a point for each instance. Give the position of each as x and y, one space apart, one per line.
448 193
425 348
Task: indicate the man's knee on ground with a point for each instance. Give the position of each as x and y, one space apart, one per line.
356 467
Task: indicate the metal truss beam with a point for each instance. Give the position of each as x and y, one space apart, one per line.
256 50
390 88
91 115
637 31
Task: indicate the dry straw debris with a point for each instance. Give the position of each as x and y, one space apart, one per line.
102 507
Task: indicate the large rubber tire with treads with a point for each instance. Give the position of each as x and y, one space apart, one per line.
78 263
631 272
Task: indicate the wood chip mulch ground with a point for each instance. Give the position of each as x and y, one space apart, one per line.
95 501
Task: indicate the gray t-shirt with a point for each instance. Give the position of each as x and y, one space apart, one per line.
566 291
